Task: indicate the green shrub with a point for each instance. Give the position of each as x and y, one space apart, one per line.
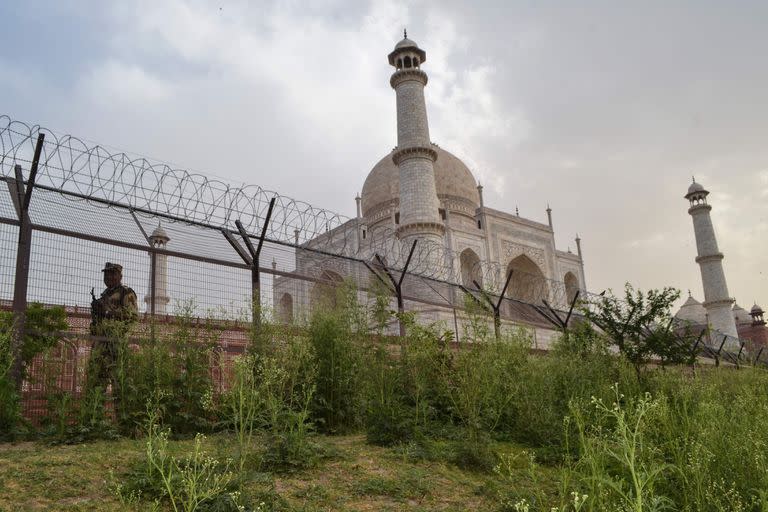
192 482
174 366
578 368
10 408
715 433
619 467
388 419
288 400
336 403
42 331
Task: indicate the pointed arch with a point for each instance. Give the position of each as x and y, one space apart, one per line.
323 293
571 286
285 309
528 282
469 263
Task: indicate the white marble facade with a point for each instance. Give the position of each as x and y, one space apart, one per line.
481 243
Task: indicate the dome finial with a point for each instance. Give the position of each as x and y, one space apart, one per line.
405 33
693 179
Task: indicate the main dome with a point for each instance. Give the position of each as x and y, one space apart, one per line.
453 180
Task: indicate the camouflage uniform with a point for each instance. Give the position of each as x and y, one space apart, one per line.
112 316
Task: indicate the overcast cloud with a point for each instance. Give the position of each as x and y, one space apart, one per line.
602 110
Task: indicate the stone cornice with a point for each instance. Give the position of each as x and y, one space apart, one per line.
406 75
425 152
498 214
722 302
709 257
381 210
458 204
416 228
567 255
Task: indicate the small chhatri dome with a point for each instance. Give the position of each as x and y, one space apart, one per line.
407 45
756 310
159 234
696 189
740 314
692 311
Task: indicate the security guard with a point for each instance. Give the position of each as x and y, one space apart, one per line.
112 316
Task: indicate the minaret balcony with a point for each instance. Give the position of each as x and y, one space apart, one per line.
704 258
699 208
420 228
408 74
721 302
425 152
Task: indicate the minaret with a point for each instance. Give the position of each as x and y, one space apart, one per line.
716 299
159 240
414 154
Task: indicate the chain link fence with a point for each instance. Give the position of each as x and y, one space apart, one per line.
197 248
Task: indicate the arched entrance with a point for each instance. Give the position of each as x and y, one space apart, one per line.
470 268
323 293
528 283
285 309
571 286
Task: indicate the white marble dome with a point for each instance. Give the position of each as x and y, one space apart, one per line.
453 180
692 311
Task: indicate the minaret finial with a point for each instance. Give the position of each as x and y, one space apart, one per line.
517 211
405 33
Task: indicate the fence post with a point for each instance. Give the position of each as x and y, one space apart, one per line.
717 356
21 201
152 288
251 258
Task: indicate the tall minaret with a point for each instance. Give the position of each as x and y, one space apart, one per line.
716 299
159 239
414 154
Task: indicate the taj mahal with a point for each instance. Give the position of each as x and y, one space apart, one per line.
421 192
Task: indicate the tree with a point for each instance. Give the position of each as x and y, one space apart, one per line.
641 325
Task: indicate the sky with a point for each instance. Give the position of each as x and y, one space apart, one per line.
603 110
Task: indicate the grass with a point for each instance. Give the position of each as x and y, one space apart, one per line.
36 476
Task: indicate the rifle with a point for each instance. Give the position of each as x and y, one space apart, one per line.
97 309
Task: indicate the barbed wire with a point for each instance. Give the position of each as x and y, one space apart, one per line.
72 167
105 178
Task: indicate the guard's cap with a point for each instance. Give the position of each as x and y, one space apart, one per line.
112 266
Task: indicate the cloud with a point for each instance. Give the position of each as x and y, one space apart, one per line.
651 241
294 96
114 81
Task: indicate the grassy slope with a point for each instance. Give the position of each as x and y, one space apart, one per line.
35 476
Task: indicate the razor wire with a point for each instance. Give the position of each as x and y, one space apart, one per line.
91 172
80 171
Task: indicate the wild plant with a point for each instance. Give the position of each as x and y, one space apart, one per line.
10 408
336 403
387 419
174 363
480 384
287 390
189 483
243 404
617 465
